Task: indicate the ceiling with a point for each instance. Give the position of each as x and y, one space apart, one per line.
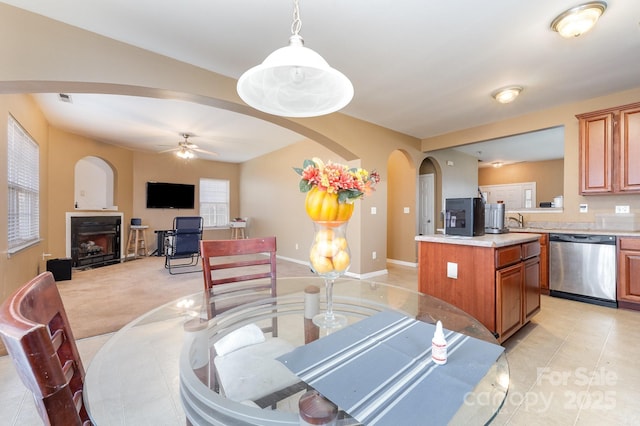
541 145
419 67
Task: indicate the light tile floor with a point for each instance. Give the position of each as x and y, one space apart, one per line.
573 364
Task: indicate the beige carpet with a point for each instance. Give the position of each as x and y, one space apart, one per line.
103 300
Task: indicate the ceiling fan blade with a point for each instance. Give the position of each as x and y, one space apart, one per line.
168 150
204 151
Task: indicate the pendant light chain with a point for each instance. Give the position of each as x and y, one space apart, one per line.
297 23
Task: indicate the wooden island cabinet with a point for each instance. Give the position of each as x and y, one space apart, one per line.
629 273
494 278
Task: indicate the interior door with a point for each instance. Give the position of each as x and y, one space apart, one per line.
426 197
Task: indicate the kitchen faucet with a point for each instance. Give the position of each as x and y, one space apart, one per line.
519 219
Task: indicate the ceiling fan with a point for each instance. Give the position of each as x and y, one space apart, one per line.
186 149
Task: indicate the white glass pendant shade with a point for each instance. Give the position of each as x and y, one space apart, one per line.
295 81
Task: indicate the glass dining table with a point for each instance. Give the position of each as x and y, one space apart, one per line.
162 368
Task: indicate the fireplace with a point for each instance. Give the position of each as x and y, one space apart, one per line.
95 240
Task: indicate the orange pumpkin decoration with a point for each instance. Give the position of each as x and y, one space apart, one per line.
324 206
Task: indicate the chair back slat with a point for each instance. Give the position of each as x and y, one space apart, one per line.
35 330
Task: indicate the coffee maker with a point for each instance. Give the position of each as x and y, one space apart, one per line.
494 222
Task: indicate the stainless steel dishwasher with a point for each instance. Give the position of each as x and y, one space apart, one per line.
583 267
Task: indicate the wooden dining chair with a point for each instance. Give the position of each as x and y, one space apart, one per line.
250 262
237 272
35 330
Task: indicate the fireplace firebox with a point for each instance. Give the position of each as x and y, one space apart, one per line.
95 241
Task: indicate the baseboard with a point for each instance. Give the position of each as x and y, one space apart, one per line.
403 263
348 274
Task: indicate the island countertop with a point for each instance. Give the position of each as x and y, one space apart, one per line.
487 240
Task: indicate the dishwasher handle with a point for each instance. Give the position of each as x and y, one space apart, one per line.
583 239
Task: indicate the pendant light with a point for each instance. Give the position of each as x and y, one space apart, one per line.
295 81
578 20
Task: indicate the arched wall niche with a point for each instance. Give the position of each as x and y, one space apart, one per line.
94 183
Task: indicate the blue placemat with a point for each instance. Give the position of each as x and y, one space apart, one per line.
379 370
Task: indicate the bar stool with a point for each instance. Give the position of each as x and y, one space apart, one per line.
137 241
238 229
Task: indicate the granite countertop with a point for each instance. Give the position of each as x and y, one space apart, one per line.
487 240
588 231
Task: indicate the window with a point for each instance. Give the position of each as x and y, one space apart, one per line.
23 164
214 202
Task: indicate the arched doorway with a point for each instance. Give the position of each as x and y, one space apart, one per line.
429 197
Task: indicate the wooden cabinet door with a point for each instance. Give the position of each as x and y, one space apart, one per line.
531 277
509 300
596 153
630 150
629 273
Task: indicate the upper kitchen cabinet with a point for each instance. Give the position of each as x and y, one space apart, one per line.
609 143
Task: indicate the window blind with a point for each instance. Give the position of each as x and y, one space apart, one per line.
214 202
23 204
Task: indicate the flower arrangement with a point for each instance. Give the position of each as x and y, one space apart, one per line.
332 188
348 183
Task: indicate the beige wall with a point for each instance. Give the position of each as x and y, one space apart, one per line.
27 263
563 115
151 167
401 226
66 149
271 198
548 175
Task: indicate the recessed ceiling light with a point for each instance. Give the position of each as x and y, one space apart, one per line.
578 20
507 94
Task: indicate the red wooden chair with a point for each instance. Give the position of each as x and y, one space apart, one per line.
251 262
237 272
36 333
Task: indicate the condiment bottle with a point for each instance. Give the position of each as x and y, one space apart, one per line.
439 346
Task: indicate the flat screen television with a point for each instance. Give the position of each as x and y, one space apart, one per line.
162 195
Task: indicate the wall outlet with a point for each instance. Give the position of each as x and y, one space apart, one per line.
374 210
452 270
297 246
622 209
374 255
406 210
584 208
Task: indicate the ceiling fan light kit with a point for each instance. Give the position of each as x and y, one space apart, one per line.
578 20
295 81
185 153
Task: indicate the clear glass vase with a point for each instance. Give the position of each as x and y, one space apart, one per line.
330 258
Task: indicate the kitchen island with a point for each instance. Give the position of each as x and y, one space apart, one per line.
495 278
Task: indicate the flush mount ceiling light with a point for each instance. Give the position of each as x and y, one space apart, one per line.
295 81
507 94
578 20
